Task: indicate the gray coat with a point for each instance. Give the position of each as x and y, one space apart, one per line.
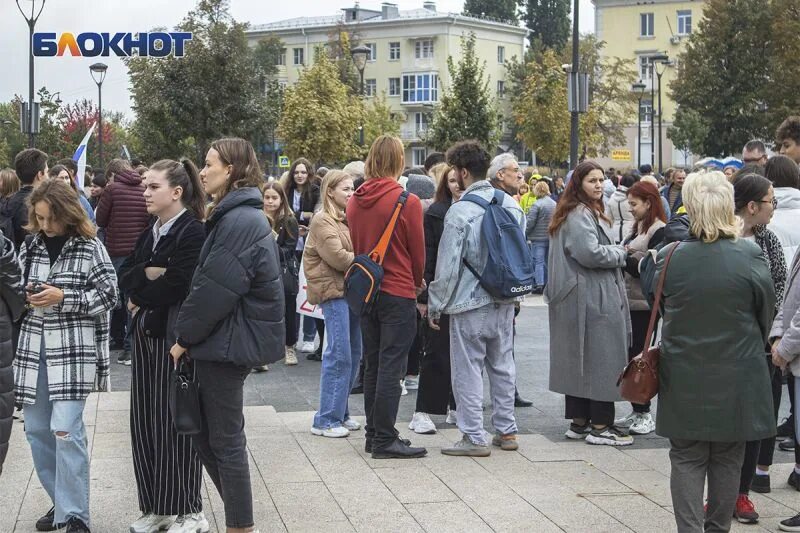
589 317
539 219
786 325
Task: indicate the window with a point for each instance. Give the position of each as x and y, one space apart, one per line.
645 73
298 56
394 51
423 49
370 87
420 88
647 23
684 22
501 54
394 86
418 156
501 89
281 58
421 122
373 51
646 111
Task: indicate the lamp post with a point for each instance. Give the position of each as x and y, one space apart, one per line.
574 115
665 65
31 20
98 71
639 88
359 55
657 58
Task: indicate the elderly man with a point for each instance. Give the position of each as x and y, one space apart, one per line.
755 152
504 174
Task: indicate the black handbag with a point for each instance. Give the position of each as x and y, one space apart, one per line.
290 273
184 399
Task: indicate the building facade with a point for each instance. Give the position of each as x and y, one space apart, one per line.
639 30
409 56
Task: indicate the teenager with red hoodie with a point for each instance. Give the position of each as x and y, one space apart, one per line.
388 330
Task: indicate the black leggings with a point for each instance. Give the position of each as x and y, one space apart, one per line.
435 389
597 413
759 452
639 322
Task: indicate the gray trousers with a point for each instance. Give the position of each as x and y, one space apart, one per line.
692 461
479 338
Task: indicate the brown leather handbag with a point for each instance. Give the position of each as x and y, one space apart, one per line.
638 382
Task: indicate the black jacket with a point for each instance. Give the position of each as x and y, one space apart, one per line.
433 223
235 310
308 202
17 209
676 230
11 306
288 232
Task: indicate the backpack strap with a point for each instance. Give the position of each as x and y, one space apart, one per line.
378 253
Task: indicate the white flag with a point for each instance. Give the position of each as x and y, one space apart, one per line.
80 157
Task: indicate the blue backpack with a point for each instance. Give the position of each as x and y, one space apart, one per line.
509 268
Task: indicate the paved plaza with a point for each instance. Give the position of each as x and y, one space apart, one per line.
306 483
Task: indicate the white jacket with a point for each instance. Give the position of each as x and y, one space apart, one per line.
785 222
618 210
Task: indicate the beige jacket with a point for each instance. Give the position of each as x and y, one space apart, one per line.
328 254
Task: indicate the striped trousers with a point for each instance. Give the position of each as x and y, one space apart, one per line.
168 471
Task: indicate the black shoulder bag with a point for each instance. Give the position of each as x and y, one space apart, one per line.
184 399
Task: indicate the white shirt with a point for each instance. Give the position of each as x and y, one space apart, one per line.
296 207
159 229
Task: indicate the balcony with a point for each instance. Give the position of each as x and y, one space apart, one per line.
412 133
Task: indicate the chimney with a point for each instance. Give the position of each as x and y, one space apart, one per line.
389 11
429 5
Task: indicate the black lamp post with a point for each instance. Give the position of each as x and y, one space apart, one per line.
657 58
575 115
359 55
98 71
665 64
31 20
639 88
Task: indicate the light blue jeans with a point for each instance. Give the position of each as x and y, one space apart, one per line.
540 250
339 363
61 462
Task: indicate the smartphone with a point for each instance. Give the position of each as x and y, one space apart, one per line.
35 289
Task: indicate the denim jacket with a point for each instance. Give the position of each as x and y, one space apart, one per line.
455 289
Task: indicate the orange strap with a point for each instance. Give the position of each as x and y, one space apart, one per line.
379 252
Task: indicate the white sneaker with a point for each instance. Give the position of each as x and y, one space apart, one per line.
452 417
335 433
305 346
412 382
627 421
421 423
404 392
152 523
290 357
351 425
190 523
643 424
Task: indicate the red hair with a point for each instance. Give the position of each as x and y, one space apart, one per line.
648 192
573 196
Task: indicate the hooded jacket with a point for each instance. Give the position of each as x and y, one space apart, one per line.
122 211
785 223
368 213
618 210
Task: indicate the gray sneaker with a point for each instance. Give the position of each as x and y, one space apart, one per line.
467 448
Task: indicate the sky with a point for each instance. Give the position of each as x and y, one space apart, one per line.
70 75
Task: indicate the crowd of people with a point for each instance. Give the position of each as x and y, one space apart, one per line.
198 271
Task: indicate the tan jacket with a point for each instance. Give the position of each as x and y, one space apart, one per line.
328 254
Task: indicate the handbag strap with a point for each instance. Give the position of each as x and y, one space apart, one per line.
657 303
379 252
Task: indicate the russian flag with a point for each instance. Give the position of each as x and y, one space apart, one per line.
80 157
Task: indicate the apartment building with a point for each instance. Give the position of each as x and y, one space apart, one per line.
639 30
408 59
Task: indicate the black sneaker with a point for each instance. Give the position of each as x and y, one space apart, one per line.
124 359
576 432
760 484
790 524
76 525
45 523
794 480
786 428
787 445
314 356
368 444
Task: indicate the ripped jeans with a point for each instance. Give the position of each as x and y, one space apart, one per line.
58 442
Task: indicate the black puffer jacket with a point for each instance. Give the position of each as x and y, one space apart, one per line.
235 310
433 223
11 306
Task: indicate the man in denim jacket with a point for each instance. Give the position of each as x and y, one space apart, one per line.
481 327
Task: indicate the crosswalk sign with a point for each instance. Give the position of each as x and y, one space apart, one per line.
283 162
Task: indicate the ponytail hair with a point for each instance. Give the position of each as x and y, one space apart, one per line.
185 176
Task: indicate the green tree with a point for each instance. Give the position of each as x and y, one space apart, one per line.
379 120
465 110
505 10
320 116
783 99
725 73
688 131
548 21
341 39
177 102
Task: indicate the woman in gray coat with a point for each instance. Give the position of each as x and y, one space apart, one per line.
589 319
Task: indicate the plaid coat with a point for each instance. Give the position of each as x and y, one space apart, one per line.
76 331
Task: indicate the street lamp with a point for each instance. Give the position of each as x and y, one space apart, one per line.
31 25
574 116
639 88
359 54
665 64
654 59
98 71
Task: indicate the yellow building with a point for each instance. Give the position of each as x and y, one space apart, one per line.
639 30
409 56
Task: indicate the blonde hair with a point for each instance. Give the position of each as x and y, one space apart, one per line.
9 182
708 198
541 189
386 158
651 180
439 171
332 180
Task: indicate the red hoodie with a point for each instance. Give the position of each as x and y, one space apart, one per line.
368 212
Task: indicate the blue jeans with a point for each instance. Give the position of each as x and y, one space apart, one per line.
339 363
540 250
61 462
